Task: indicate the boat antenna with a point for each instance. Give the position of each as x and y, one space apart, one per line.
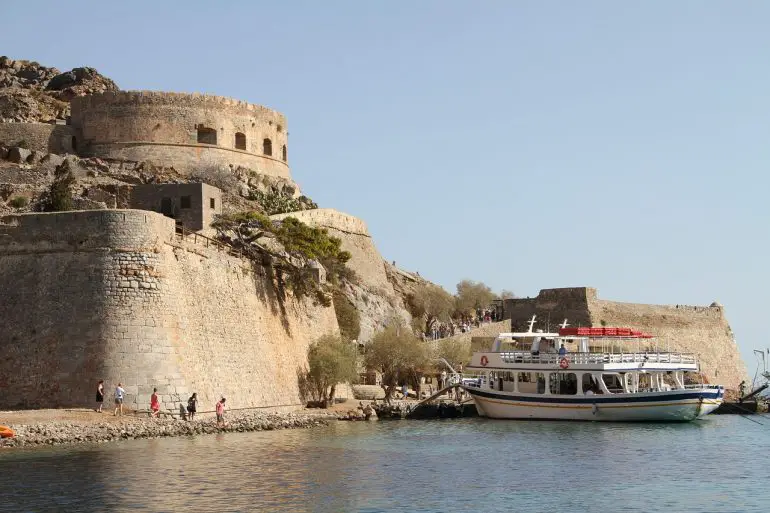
531 323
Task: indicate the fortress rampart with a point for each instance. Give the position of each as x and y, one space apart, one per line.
183 131
702 330
42 137
114 295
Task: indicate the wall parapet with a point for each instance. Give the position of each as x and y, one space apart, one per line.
329 218
146 97
84 230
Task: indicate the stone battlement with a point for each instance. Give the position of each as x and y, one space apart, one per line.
171 99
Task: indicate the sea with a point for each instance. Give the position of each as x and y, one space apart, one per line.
717 464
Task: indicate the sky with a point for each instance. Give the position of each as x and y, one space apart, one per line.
527 145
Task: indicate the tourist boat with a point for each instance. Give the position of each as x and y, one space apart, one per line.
602 374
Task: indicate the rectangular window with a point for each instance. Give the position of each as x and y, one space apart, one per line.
212 203
186 202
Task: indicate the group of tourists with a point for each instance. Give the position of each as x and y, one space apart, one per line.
439 330
192 404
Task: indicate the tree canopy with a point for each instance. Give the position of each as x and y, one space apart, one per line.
398 355
471 296
331 360
432 303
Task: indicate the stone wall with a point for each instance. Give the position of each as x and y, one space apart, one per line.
162 128
42 137
702 330
114 295
373 295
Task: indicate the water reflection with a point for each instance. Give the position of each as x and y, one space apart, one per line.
468 465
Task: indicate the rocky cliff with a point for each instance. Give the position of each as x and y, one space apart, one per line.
30 92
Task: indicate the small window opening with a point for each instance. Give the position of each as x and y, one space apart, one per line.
279 128
240 141
267 147
74 143
207 135
185 202
212 203
283 152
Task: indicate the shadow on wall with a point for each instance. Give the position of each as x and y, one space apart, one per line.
270 288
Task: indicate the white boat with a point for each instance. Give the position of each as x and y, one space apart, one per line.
597 374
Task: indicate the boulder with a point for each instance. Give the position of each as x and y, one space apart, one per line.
52 159
18 155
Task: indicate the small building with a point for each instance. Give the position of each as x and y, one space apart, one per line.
193 205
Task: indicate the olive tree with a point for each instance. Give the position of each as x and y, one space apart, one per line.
431 303
331 360
399 356
471 296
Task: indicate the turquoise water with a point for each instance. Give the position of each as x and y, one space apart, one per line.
475 465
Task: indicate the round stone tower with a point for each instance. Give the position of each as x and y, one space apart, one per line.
183 131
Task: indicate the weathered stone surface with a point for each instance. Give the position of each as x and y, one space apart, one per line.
113 295
18 155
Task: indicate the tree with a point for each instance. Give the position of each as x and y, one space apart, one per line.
398 355
472 296
249 232
331 360
432 303
507 294
454 351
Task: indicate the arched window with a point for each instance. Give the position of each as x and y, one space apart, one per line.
240 141
283 152
206 135
267 147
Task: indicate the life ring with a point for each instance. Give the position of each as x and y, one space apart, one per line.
6 432
564 363
484 360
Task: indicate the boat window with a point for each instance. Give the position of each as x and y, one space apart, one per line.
565 383
589 383
540 382
527 383
613 383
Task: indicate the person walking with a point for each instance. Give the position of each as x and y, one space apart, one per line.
221 413
154 403
192 406
119 395
99 395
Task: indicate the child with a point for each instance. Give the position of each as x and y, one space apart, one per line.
154 403
221 413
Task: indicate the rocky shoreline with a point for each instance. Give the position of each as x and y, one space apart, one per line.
101 429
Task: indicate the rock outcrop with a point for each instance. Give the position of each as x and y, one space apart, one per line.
30 92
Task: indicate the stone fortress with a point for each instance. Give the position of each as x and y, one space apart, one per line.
118 294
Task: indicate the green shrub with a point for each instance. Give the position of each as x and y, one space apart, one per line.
60 193
348 317
19 202
331 361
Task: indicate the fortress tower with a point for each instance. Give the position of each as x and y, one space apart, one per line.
183 131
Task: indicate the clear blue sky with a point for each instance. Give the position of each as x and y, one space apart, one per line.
620 145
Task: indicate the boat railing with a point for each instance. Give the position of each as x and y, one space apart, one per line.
594 358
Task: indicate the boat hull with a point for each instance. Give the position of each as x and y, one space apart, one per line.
674 406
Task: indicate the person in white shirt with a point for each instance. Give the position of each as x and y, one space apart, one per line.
119 395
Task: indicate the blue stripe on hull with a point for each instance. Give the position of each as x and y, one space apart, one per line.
597 399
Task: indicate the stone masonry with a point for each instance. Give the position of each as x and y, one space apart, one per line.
116 295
